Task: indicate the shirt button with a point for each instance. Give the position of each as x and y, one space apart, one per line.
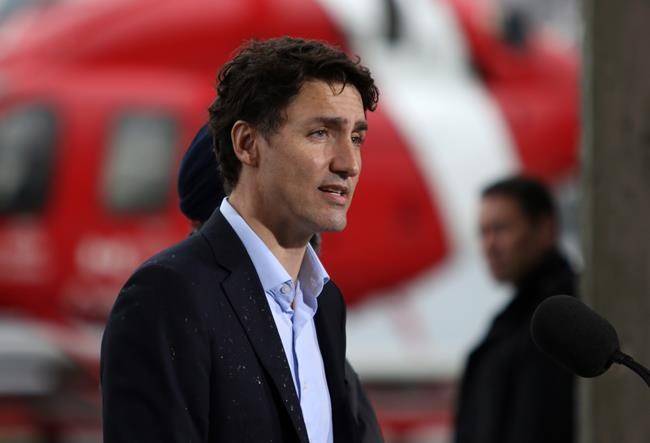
285 289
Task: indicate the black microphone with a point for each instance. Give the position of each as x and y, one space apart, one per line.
578 338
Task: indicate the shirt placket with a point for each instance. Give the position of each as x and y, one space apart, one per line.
299 321
288 293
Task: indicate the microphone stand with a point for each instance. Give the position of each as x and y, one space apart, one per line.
625 360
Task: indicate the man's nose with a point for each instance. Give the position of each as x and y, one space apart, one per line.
346 161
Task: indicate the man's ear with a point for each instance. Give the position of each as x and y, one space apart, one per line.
243 136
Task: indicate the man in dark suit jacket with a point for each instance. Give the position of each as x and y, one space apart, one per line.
198 179
196 347
510 391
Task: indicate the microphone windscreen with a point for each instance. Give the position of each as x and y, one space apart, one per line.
574 335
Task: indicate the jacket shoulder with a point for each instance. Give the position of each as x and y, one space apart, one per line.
187 257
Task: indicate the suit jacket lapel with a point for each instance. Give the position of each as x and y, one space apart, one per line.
332 348
246 295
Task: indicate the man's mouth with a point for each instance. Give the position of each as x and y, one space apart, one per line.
334 189
335 194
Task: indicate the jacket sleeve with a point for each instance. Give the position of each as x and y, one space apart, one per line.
155 363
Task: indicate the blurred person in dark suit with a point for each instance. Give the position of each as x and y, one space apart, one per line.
237 334
200 191
511 392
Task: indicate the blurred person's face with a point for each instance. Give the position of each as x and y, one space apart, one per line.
512 244
308 169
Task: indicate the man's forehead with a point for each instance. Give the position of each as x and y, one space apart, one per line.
330 99
501 206
336 121
499 201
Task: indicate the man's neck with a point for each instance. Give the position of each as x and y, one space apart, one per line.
283 244
535 270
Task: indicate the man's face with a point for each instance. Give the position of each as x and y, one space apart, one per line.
309 168
511 243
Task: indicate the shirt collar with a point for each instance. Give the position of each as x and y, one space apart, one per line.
312 275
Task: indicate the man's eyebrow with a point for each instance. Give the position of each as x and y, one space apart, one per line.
360 125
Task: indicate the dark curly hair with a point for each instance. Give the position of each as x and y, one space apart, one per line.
261 80
531 195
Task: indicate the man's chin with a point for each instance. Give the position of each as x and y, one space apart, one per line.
336 225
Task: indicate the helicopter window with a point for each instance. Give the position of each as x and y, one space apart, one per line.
27 137
140 159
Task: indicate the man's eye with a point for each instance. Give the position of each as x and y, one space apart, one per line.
319 133
358 140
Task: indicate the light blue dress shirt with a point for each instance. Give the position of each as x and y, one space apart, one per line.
295 324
